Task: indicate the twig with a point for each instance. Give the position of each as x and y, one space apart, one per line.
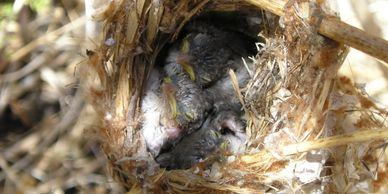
45 39
337 30
10 173
92 27
37 62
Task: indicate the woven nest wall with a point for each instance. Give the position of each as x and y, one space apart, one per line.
308 128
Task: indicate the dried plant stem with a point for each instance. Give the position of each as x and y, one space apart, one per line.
361 136
273 6
354 37
337 30
48 37
92 26
30 67
10 173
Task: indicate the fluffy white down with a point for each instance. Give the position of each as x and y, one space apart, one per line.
153 131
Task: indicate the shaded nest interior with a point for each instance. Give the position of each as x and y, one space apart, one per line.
295 110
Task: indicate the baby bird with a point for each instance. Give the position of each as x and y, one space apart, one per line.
227 115
187 103
191 150
157 127
206 53
172 107
193 83
225 100
198 145
224 125
202 57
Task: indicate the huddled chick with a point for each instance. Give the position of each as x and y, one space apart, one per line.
223 125
190 106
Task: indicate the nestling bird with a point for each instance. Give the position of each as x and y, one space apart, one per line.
206 53
222 94
187 103
198 145
172 107
190 105
227 109
227 114
192 149
224 125
158 129
197 61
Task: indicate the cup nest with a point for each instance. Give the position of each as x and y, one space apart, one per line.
298 109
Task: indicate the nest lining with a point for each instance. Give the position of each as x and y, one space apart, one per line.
293 96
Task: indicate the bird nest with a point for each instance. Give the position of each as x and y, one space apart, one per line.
308 129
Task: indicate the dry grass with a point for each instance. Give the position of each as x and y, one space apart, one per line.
43 114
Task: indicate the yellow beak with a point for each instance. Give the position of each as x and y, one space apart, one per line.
169 91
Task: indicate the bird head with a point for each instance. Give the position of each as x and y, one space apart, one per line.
184 57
